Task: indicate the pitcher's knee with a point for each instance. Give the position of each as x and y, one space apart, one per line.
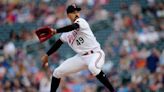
58 73
93 69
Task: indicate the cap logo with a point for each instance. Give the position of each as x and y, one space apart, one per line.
74 5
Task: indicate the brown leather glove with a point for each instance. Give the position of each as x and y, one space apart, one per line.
45 33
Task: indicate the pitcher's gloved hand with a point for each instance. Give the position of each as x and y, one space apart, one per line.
45 33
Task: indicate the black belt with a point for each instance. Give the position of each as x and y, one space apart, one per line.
89 52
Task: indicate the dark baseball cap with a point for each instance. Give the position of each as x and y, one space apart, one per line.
73 7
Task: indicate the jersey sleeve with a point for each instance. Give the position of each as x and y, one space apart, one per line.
63 37
82 23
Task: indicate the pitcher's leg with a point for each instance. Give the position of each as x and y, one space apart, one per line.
96 62
104 80
69 66
95 66
54 84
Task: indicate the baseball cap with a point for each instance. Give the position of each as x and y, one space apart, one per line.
73 7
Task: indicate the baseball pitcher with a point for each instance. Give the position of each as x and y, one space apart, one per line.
80 38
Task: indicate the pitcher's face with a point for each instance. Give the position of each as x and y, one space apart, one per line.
73 15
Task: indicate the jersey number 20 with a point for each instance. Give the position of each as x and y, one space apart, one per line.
79 41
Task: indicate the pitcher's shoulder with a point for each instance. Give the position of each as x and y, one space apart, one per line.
80 20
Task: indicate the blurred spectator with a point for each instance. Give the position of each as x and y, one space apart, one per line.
162 58
1 87
135 8
9 50
118 23
2 68
100 13
45 84
14 36
89 88
160 10
147 35
123 89
17 86
7 86
152 60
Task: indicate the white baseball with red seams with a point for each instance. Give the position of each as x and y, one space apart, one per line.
81 41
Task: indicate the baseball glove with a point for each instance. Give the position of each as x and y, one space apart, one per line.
44 33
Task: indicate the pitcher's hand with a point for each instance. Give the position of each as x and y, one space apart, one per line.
44 60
